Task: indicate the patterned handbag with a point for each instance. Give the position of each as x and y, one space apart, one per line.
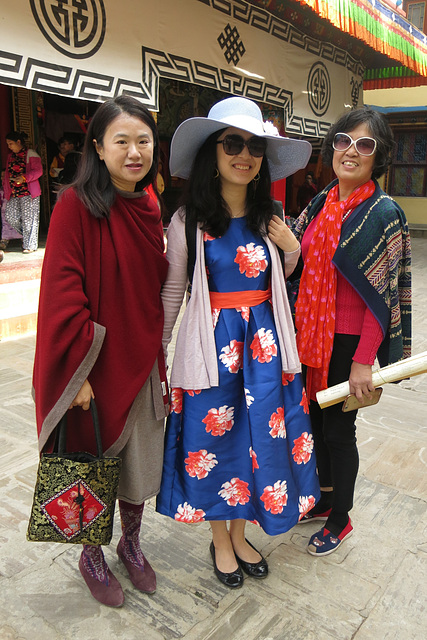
75 493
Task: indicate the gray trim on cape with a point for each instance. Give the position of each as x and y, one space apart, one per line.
73 387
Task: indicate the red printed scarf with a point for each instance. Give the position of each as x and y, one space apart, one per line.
315 308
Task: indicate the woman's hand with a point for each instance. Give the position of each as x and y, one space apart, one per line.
361 380
19 180
83 397
280 234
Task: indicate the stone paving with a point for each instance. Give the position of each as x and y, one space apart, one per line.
19 290
373 587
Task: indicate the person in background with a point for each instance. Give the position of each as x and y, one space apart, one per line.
306 192
71 164
65 145
354 302
238 441
7 232
100 306
22 189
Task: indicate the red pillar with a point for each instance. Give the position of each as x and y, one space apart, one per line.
278 191
5 121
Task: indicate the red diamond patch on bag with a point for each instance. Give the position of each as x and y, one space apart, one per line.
73 509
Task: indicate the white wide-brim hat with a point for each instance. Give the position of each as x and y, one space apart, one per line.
285 155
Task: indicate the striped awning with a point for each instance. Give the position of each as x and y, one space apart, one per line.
392 77
379 26
376 24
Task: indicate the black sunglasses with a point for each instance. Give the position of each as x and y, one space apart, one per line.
234 144
365 146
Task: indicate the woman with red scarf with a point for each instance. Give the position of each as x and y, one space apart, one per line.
354 302
22 190
100 324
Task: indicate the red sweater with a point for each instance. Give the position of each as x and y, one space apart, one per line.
353 317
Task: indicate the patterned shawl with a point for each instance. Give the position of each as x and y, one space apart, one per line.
374 255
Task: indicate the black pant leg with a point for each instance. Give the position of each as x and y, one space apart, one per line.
339 430
323 458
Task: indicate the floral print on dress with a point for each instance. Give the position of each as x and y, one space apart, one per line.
287 378
218 421
305 503
235 492
186 513
249 399
232 356
263 346
277 424
304 401
199 463
193 392
303 448
176 400
207 237
253 455
275 497
215 316
245 312
251 260
227 446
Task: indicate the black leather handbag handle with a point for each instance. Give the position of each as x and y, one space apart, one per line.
61 436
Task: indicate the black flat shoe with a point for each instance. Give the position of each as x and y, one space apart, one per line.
234 580
255 569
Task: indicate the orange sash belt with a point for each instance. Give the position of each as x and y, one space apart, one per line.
238 299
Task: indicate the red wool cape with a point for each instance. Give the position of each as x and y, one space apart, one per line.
100 317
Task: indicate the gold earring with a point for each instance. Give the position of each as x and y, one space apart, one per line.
216 173
255 184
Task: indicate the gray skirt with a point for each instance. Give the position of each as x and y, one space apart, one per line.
142 454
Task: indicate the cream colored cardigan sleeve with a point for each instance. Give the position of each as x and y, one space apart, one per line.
195 364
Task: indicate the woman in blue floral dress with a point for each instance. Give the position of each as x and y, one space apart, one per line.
238 442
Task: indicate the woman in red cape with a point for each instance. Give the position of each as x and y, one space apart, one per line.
100 324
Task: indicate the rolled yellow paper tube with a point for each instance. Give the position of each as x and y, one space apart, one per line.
413 366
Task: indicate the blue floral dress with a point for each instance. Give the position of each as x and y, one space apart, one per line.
243 449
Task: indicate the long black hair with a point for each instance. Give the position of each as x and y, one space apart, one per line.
202 195
93 183
379 129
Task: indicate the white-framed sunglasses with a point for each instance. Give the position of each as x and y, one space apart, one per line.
365 146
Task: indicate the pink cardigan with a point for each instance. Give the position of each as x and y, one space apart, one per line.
195 361
33 171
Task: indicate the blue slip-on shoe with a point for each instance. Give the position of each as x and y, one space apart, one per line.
324 542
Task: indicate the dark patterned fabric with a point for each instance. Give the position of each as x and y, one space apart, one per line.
374 255
17 166
66 481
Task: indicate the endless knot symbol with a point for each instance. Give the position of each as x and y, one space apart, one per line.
76 28
319 89
230 41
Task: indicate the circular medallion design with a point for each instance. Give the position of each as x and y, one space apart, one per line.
76 28
319 89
